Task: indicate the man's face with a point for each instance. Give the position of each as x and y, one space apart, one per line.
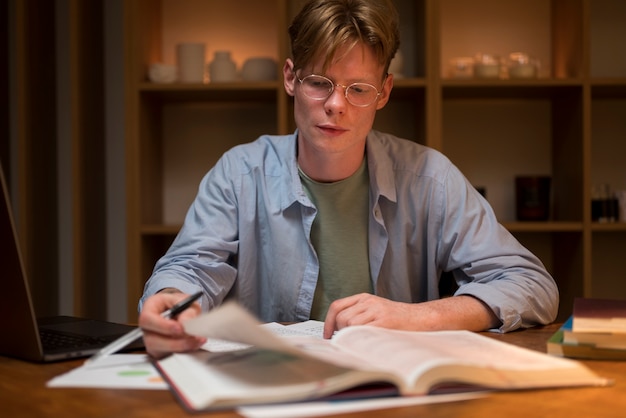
333 125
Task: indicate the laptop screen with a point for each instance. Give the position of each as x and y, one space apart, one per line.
20 333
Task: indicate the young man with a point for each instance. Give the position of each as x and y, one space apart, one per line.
340 223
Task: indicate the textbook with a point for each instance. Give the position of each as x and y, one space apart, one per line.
359 361
558 345
599 315
614 340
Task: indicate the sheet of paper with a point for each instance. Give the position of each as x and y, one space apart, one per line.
119 371
318 409
230 322
309 328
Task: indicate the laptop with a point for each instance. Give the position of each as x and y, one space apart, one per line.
25 336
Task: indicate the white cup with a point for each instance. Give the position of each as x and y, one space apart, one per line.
190 59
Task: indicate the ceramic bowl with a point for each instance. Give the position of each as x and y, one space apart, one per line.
162 73
259 69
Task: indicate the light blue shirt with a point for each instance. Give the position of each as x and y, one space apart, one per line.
246 236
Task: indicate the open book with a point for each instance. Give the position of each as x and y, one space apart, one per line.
373 360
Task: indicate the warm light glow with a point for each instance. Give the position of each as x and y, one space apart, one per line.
254 33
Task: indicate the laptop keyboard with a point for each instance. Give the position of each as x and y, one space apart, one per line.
53 340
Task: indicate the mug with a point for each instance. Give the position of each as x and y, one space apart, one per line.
532 198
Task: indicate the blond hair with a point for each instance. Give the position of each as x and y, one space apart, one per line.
324 26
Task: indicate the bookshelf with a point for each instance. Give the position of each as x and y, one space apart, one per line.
568 123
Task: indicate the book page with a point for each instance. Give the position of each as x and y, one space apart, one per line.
236 329
396 351
241 377
230 322
311 328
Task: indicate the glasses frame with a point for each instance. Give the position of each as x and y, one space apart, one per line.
345 89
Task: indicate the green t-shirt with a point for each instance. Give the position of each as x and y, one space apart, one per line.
339 236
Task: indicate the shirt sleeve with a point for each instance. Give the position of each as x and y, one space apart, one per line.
199 256
488 263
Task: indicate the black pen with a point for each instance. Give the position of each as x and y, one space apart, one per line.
130 337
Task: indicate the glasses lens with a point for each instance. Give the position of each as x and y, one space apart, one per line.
317 87
361 94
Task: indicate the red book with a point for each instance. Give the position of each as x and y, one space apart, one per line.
599 315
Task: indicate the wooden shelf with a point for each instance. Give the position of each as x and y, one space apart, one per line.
158 229
609 227
510 82
544 226
207 92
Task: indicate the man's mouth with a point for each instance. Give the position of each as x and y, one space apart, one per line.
331 130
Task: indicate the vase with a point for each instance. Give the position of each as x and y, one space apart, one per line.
222 68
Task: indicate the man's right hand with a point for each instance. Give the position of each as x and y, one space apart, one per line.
163 336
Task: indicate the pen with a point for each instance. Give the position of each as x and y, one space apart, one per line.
130 337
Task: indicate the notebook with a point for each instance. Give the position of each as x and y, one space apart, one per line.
45 339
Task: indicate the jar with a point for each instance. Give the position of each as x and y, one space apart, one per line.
222 68
487 66
522 65
462 67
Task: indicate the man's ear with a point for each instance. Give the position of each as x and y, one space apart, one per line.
289 77
384 95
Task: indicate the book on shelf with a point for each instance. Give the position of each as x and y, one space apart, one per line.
359 361
557 345
599 315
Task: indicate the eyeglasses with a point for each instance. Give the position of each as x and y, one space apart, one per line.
318 87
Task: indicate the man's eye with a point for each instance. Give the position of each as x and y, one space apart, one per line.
360 89
321 84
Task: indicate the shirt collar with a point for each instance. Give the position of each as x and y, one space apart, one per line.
380 166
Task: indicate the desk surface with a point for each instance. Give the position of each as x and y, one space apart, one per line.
23 394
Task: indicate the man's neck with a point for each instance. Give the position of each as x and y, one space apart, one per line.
327 168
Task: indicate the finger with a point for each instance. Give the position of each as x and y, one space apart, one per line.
337 307
158 345
191 312
151 318
329 325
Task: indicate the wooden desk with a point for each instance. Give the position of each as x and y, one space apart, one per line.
23 394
